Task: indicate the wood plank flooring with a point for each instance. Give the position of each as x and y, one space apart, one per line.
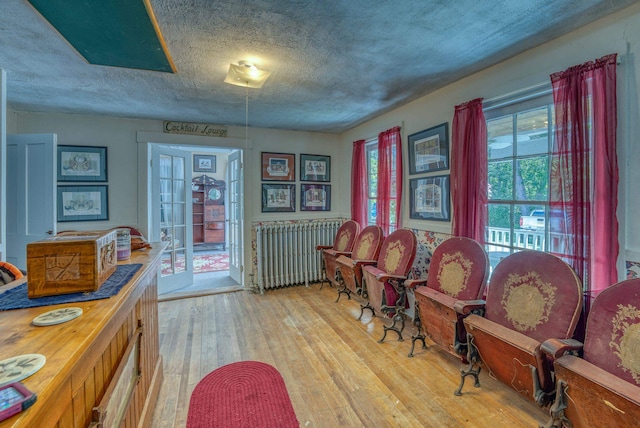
336 372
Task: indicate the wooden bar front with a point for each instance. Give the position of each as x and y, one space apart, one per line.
85 356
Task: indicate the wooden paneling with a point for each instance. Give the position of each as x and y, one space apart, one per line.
84 354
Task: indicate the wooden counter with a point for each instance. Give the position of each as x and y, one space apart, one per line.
92 361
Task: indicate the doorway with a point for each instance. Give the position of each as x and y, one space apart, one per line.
213 256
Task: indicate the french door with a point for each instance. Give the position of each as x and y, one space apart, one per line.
235 215
171 211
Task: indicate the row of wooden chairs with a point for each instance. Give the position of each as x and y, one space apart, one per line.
519 325
375 268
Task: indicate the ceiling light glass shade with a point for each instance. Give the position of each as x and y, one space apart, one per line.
247 75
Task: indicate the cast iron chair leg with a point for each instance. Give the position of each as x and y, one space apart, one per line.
398 317
344 289
367 306
399 313
324 274
473 358
557 418
420 335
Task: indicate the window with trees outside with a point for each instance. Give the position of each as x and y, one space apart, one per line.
519 138
371 150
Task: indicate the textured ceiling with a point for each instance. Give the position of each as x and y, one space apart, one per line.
334 63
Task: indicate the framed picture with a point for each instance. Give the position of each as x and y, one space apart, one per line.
315 168
80 163
315 197
429 150
278 166
83 203
429 198
204 163
278 198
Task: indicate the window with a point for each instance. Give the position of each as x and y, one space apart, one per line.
371 151
519 138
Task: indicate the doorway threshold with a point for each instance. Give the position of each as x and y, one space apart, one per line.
204 284
178 294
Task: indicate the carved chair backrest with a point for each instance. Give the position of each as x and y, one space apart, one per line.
536 294
398 252
612 338
367 244
459 268
346 236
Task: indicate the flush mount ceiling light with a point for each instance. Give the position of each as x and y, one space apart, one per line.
246 74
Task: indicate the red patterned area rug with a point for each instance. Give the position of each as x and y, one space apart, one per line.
201 263
243 394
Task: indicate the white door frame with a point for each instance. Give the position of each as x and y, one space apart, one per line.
144 139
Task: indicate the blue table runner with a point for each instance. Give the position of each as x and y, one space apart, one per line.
17 297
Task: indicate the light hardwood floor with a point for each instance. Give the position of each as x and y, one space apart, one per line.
336 373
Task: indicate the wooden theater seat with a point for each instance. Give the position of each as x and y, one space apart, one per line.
342 245
601 389
531 297
458 271
384 280
349 267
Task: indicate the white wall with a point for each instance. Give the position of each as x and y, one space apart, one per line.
220 167
618 33
120 137
126 140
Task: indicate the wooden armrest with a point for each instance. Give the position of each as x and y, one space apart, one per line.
323 247
342 253
387 276
413 283
365 262
345 260
556 348
465 307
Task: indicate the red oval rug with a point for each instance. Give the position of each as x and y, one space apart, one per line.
242 394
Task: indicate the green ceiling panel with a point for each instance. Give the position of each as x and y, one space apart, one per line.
119 33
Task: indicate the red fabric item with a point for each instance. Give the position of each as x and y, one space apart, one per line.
359 184
241 394
389 184
459 268
346 236
584 172
536 294
396 257
469 171
613 318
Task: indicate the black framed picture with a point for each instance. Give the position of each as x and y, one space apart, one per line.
429 149
278 198
315 168
429 198
315 197
82 163
204 163
83 203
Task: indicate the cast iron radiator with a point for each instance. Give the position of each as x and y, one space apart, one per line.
286 251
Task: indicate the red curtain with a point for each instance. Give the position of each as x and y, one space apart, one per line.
584 172
389 181
469 171
359 184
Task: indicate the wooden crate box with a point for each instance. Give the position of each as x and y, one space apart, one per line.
71 262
